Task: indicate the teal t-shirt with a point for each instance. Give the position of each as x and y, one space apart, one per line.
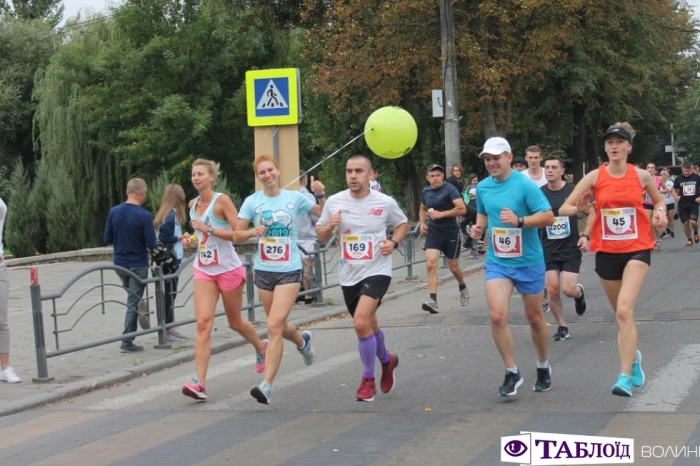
277 251
523 197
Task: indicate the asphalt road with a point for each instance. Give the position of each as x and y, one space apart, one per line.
445 408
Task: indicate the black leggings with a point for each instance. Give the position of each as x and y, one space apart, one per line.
170 293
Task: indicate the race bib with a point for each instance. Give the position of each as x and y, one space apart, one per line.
275 251
358 248
208 254
560 229
507 242
619 224
689 190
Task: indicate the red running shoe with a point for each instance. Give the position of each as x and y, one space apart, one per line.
366 391
388 380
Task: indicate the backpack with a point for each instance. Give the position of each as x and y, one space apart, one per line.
163 255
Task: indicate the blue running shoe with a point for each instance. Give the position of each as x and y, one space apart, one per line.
637 371
510 384
262 393
623 386
307 352
544 379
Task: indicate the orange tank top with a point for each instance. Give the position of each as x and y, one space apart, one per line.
621 225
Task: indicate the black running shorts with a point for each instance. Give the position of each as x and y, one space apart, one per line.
375 287
611 266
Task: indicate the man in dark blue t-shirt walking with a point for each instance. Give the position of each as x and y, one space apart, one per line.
441 205
130 229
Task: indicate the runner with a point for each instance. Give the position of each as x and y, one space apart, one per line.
667 193
685 191
278 268
441 204
519 164
217 271
562 246
361 217
649 205
513 208
306 238
533 155
621 239
374 182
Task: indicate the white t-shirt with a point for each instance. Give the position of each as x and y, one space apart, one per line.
363 224
541 182
668 198
3 213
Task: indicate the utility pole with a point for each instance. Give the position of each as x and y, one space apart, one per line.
449 85
673 148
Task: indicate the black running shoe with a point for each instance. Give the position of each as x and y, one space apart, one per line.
544 379
562 334
511 384
580 302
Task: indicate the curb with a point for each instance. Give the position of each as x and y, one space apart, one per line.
95 383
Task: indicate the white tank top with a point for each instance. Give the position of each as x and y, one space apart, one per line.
214 255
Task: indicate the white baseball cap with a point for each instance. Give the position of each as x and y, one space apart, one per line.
495 146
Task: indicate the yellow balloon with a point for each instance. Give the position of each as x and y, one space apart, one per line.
391 132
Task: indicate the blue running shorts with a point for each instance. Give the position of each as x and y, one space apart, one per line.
527 280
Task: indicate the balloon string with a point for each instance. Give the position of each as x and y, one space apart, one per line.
326 158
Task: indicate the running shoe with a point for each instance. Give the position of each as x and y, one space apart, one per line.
623 386
307 352
510 384
388 379
637 375
10 376
673 235
431 306
544 379
697 238
366 390
195 390
657 245
580 302
262 393
665 234
689 243
260 358
464 296
562 334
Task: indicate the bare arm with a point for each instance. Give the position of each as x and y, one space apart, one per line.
578 199
590 220
539 219
400 232
318 208
650 187
323 233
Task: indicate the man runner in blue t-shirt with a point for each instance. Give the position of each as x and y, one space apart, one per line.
513 208
442 203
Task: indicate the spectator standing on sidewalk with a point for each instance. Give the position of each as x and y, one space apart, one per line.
306 238
130 230
7 373
169 220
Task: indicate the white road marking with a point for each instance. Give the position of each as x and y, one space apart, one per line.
288 380
170 387
667 390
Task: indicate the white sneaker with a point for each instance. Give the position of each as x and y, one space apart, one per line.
9 376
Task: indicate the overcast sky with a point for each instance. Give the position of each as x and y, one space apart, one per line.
73 7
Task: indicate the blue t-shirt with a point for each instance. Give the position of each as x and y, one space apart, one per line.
523 197
130 229
279 215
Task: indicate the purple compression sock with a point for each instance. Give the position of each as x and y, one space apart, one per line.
382 353
368 351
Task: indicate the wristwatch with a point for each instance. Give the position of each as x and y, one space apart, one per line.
210 230
583 235
396 244
521 222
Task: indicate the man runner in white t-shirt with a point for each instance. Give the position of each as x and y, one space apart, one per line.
533 155
361 216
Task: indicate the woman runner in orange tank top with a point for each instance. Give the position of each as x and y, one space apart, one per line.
622 240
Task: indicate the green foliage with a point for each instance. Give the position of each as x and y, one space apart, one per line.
223 186
20 228
63 213
49 11
155 191
39 198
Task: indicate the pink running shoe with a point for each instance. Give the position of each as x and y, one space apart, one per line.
260 358
195 390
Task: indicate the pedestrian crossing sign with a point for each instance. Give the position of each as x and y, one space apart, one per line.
273 97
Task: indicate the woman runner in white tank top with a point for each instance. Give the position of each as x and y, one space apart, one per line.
217 271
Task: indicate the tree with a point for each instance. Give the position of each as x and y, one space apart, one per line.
63 214
49 11
20 229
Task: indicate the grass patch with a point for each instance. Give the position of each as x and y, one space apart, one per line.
6 252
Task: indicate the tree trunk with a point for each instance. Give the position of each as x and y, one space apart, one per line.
449 72
579 146
414 187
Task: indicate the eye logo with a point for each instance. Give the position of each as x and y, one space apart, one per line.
515 448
